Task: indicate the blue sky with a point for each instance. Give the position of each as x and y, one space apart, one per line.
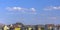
30 11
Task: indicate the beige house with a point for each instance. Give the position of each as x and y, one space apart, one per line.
50 26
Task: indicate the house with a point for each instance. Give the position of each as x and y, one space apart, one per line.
49 26
40 27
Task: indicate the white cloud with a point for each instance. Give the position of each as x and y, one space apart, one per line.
24 10
17 8
33 9
52 8
13 8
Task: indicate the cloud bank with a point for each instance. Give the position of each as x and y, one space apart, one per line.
53 18
52 8
20 9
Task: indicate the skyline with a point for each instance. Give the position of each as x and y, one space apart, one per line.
30 11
